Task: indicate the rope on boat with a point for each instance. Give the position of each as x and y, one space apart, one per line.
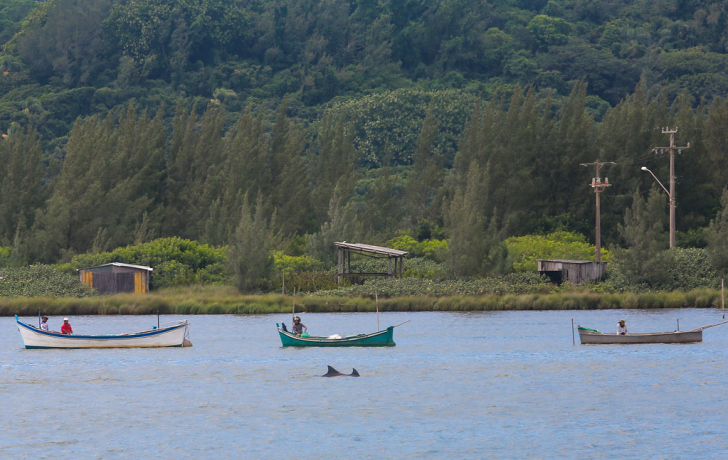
402 323
713 325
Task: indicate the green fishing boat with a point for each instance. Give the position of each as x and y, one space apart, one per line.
376 339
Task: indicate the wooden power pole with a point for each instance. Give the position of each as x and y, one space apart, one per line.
599 187
671 193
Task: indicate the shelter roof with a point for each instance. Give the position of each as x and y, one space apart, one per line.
371 249
119 264
566 261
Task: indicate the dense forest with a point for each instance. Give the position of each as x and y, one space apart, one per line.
287 125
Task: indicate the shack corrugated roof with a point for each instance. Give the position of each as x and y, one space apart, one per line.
119 264
566 261
371 249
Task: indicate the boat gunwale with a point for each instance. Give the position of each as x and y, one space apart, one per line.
132 335
583 331
317 339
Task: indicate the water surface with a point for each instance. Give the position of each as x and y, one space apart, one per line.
457 385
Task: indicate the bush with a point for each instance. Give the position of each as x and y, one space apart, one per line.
676 269
176 261
514 283
526 250
40 281
431 249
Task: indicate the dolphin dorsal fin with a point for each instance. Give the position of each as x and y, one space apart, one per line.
354 373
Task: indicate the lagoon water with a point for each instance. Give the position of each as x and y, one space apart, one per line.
457 385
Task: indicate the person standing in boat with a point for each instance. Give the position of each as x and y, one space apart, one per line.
298 327
44 324
66 328
622 328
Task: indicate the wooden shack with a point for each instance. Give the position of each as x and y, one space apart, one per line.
395 259
573 271
116 277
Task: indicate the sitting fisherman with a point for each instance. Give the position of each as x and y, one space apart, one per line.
66 328
298 327
622 328
44 324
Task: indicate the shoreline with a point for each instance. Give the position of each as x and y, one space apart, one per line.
210 301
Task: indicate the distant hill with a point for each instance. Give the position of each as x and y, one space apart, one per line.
70 58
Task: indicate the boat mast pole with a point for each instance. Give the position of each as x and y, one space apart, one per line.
573 339
293 314
39 318
376 302
722 296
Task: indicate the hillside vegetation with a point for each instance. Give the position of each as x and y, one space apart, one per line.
259 131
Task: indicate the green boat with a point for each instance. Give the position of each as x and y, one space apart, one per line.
376 339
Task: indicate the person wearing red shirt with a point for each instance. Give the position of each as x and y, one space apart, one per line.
66 328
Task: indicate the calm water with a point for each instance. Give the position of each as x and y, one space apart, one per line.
457 385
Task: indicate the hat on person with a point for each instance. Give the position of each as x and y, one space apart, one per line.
622 321
45 317
65 319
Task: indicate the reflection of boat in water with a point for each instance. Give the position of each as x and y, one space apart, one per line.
383 338
171 336
592 336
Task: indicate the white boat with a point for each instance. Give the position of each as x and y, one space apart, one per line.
171 336
592 336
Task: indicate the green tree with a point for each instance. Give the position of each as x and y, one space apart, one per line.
717 237
465 215
21 189
249 255
645 236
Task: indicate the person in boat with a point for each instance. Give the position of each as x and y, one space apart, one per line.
66 328
622 327
44 324
298 327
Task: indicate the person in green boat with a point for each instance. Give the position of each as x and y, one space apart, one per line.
298 327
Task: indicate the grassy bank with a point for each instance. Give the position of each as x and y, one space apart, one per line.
224 300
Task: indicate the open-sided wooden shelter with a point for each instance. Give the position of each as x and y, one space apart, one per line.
395 259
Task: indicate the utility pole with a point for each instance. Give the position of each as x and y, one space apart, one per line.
599 187
671 193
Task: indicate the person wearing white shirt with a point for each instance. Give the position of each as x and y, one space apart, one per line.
622 328
44 324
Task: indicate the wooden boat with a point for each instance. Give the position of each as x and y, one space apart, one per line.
377 339
171 336
592 336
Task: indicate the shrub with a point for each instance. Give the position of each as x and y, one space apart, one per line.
526 250
40 281
431 249
175 260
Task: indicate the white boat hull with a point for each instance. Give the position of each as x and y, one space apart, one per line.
173 336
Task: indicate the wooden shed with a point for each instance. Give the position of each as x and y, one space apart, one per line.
116 277
395 259
573 271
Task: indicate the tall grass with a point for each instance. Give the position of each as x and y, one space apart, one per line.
216 300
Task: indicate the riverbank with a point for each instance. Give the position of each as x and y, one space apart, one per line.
210 300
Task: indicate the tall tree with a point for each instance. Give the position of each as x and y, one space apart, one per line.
21 190
249 253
